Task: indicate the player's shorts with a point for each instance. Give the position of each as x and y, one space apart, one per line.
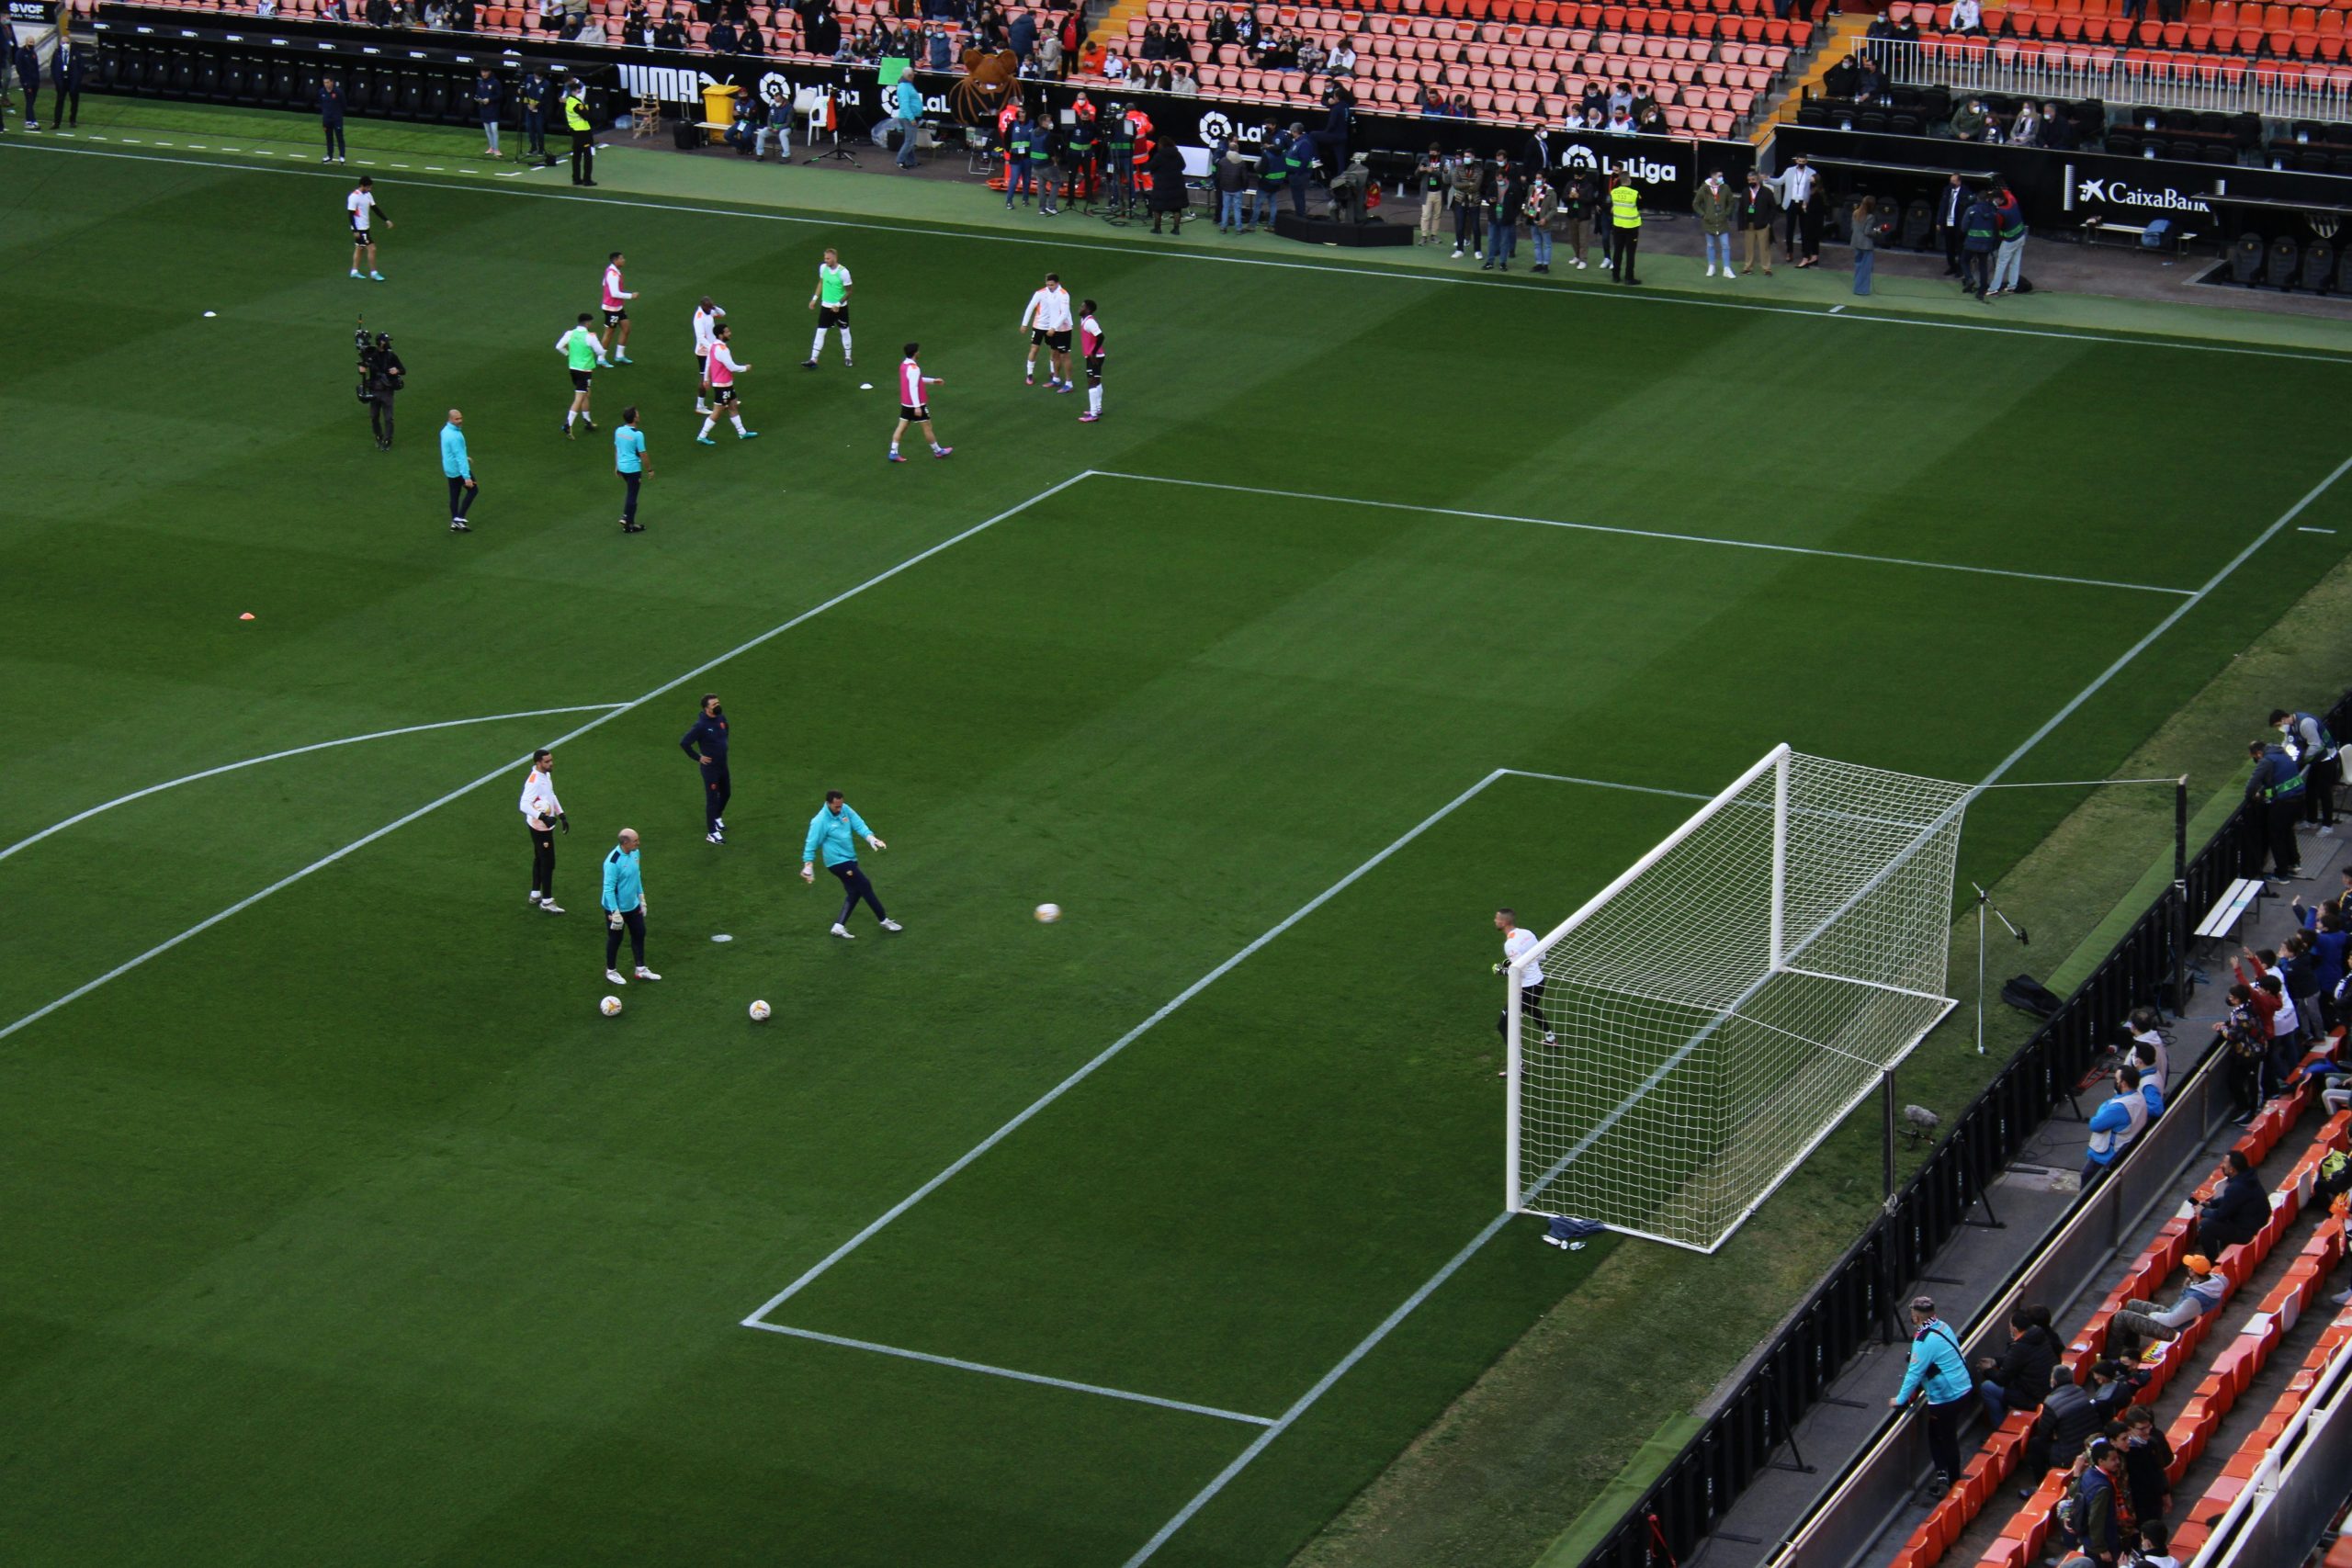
1094 367
832 316
702 366
914 410
1037 336
722 397
1058 342
614 318
580 380
359 237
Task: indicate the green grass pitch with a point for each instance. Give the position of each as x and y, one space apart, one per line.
346 1230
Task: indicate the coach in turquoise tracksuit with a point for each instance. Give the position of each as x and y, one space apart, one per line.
833 832
1939 1371
623 902
458 468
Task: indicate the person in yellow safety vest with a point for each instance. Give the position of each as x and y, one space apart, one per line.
1626 219
583 135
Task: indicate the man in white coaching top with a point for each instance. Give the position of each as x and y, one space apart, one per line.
542 813
707 318
1046 319
1518 944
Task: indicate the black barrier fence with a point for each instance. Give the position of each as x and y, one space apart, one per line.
427 77
2067 190
1856 1298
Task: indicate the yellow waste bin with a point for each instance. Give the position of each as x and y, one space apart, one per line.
719 111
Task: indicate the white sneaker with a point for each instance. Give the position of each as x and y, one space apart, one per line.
1457 249
892 926
1711 269
645 974
535 895
1551 1040
551 906
1579 264
722 824
613 977
843 933
713 837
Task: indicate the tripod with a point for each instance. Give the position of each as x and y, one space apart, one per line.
833 151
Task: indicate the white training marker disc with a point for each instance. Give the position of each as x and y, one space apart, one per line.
722 936
209 314
862 386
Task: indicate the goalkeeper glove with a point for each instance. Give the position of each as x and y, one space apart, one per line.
613 918
564 821
1501 967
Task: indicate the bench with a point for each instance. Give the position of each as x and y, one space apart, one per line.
2221 921
2135 235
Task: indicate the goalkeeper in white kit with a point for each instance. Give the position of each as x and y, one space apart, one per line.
1516 944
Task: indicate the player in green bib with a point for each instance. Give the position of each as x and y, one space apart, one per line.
582 352
831 304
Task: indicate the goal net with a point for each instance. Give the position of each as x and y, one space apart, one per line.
1705 1019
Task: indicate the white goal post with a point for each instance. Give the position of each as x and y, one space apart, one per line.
1703 1021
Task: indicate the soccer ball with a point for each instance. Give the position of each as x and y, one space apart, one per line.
610 1007
760 1013
1050 913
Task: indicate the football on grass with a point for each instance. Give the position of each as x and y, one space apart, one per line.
1050 913
759 1012
610 1007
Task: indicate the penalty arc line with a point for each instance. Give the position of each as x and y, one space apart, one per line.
1403 275
282 756
1648 534
504 769
1494 1226
1071 1385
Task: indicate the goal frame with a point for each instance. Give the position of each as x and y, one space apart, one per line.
1776 762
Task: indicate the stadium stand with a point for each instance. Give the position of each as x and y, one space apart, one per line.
2222 1377
1708 63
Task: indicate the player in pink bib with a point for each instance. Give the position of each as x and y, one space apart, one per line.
914 406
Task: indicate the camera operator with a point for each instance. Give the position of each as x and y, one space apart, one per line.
382 376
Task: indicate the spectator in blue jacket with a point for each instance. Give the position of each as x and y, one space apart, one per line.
1022 36
330 119
1939 1372
2114 1124
2331 945
28 77
2276 790
908 105
486 107
65 74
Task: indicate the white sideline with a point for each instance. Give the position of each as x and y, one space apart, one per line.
282 756
1405 275
1643 533
848 1343
1219 1482
504 769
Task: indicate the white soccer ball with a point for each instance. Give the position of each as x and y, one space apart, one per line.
610 1007
760 1013
1050 913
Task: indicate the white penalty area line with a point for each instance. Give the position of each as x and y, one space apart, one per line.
1649 534
1397 274
506 769
1070 1384
294 751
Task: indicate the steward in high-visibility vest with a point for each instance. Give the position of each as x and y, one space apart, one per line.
583 135
1625 229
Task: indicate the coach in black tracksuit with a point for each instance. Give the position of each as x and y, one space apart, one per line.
707 744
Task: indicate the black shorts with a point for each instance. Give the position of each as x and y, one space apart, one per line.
359 237
832 316
580 380
1058 341
614 318
721 397
702 366
914 410
1094 367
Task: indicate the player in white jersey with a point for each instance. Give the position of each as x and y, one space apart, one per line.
616 300
364 209
1518 944
1092 347
1046 320
707 317
914 404
721 368
831 304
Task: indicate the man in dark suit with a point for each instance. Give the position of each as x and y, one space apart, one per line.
65 75
1952 206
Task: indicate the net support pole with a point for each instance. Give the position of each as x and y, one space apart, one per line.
1775 953
1510 1092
